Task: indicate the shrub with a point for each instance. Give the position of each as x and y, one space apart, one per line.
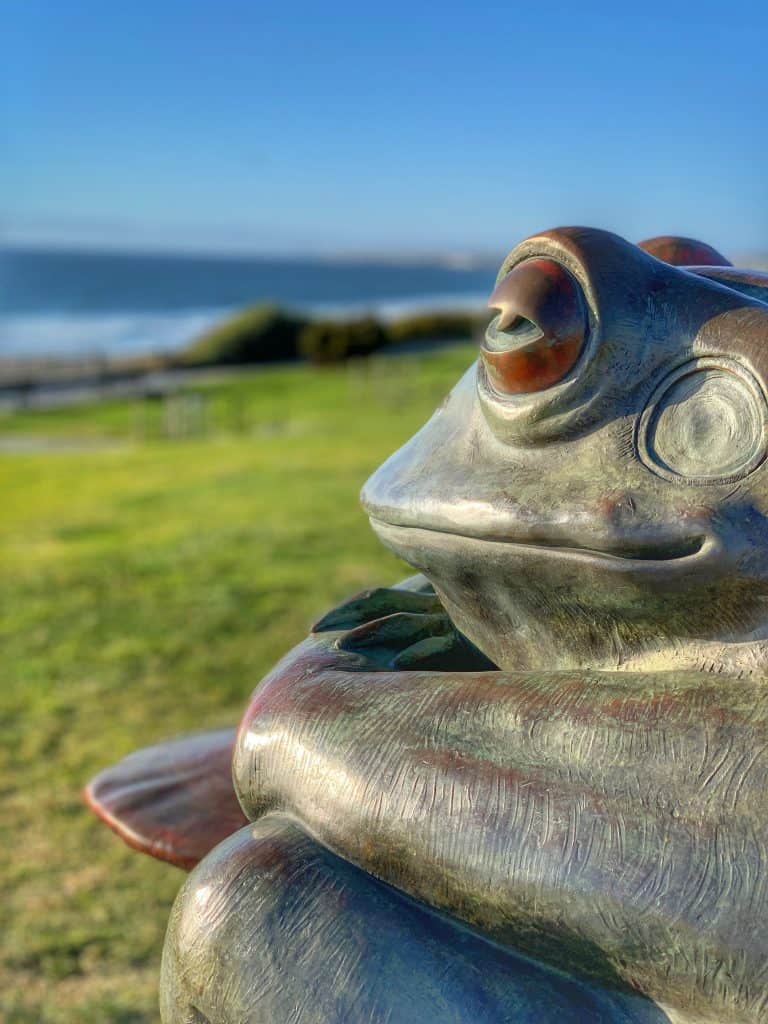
330 341
266 333
436 326
259 334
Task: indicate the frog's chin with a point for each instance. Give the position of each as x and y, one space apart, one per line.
535 606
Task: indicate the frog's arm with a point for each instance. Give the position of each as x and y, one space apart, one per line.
586 818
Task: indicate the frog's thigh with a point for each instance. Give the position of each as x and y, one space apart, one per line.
271 927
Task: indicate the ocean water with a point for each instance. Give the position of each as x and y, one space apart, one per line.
86 303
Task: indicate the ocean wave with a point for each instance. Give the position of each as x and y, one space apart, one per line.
113 334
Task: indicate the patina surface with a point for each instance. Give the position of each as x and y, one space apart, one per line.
529 785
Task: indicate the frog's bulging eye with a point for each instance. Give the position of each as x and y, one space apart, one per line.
705 423
539 333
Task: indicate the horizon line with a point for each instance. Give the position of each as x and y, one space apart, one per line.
449 258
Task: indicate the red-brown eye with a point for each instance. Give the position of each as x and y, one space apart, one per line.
540 330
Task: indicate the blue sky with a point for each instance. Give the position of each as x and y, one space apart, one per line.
400 126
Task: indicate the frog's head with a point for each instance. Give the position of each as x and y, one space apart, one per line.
594 490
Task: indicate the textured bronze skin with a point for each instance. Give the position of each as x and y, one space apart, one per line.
556 748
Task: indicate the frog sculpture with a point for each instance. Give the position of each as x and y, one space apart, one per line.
529 784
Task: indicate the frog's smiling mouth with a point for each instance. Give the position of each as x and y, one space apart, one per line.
618 554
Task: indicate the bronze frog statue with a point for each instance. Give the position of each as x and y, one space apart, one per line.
529 784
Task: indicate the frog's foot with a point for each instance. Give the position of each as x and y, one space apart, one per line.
273 927
402 628
174 801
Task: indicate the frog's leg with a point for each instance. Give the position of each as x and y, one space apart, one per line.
273 928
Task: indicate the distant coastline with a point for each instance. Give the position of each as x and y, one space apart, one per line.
87 303
84 303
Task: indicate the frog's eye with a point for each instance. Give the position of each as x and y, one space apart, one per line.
539 333
706 422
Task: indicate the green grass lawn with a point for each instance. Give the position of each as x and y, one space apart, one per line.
148 583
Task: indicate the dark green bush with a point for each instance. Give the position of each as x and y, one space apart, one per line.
436 326
259 334
266 333
330 341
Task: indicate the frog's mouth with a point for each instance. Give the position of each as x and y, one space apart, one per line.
652 555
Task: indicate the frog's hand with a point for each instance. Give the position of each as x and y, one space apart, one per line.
174 801
611 818
412 596
402 627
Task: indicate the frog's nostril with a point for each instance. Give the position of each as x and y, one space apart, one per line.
539 333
